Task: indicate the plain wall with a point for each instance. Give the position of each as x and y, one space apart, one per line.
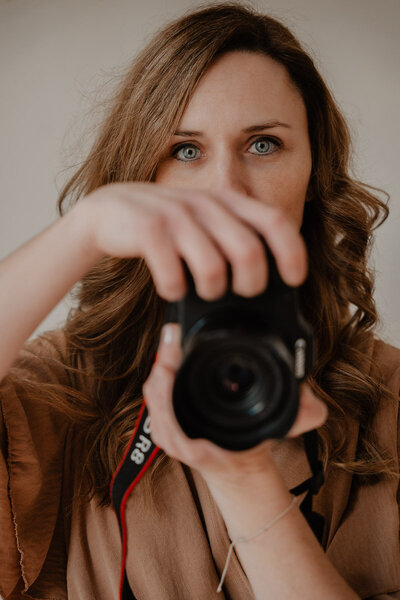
55 55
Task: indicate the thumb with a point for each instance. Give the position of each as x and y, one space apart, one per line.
312 412
169 353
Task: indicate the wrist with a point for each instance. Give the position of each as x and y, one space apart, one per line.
83 219
245 468
248 502
260 487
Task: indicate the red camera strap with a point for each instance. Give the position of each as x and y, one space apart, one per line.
141 452
137 458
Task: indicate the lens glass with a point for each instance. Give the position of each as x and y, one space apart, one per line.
234 378
232 384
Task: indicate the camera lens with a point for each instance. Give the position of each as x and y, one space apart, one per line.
234 378
240 394
241 384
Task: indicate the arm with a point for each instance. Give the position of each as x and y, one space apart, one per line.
157 223
36 277
287 561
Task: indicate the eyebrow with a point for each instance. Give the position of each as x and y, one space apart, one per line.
251 129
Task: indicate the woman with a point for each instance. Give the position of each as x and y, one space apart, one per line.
222 131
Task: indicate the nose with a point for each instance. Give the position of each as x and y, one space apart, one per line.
228 172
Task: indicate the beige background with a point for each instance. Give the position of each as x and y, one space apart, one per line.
56 56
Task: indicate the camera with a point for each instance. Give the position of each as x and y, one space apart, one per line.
243 360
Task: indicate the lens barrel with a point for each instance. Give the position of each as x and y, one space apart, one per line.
236 388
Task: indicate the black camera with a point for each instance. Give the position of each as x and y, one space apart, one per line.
243 359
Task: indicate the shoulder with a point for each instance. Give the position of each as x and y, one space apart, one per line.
50 344
41 358
33 434
386 361
385 371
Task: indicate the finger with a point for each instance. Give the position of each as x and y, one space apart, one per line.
191 241
158 388
169 353
163 260
204 259
312 412
239 244
280 233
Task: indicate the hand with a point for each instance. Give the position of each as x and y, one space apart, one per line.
164 224
201 454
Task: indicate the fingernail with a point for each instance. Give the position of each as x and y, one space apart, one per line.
171 334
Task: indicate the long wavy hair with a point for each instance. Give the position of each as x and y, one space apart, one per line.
112 334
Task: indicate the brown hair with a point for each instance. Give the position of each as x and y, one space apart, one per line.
115 327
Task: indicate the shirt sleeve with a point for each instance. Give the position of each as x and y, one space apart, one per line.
392 380
32 437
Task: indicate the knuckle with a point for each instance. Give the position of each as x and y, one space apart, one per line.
277 217
196 196
153 388
250 252
179 213
153 223
199 455
148 389
204 200
155 436
214 273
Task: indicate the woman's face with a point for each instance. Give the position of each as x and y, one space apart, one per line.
245 128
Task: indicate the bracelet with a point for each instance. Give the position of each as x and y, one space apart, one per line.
247 539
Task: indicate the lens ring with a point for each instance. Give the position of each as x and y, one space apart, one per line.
205 398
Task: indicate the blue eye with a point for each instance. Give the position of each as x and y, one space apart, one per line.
190 152
263 145
186 152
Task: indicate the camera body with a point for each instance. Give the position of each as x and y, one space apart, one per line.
243 360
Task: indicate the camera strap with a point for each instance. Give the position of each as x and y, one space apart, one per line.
312 484
137 458
141 452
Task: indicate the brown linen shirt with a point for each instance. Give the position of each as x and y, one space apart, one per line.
53 548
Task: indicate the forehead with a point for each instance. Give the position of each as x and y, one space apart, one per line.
244 85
